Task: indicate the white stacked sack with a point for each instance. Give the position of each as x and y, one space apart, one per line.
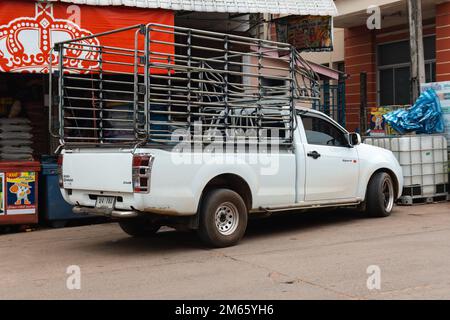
15 139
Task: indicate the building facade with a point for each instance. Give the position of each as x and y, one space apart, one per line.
383 54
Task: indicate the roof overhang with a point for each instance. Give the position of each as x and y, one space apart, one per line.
285 7
324 72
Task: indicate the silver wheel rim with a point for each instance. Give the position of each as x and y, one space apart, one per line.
226 218
388 195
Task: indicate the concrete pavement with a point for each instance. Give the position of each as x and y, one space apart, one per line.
318 255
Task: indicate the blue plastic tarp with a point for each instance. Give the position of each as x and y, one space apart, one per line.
425 116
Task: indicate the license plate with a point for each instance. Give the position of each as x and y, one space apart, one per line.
105 202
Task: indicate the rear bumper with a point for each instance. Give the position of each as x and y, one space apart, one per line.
105 212
159 202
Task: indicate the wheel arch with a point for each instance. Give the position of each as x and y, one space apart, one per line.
393 177
230 181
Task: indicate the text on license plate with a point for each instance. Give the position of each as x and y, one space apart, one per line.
105 202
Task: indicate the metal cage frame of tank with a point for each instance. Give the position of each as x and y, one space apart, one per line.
424 163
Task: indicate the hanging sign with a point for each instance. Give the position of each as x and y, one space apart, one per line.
306 33
29 30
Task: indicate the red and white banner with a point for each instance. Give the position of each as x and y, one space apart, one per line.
29 29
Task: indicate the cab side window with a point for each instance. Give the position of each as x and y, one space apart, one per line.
321 132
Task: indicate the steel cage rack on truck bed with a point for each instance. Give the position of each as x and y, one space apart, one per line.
174 82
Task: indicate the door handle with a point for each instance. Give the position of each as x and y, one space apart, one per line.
314 155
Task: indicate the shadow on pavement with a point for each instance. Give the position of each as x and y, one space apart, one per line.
169 240
301 221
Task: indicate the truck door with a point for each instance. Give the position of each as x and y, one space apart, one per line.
332 166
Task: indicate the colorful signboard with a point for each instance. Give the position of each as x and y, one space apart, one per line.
20 192
378 126
29 30
2 194
306 33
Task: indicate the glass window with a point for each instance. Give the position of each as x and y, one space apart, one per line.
321 132
429 48
402 85
430 72
395 84
387 87
395 73
393 53
399 53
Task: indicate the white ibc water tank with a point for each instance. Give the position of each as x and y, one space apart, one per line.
423 158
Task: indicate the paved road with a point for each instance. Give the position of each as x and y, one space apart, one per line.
321 255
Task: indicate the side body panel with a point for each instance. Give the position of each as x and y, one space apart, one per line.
177 182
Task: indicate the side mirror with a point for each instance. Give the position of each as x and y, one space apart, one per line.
354 139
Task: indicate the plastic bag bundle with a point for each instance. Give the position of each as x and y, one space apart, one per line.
15 139
14 121
16 150
14 135
425 116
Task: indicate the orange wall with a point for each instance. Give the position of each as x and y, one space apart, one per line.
443 42
359 57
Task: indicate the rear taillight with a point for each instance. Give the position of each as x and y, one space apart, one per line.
60 170
142 167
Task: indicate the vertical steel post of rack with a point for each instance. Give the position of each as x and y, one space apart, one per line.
169 83
189 79
201 87
225 80
136 84
147 81
293 77
100 93
61 90
260 91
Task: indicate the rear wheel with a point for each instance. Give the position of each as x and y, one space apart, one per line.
223 218
138 227
380 196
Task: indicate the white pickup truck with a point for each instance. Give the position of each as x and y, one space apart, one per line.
150 183
328 167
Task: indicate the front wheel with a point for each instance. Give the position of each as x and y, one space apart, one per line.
380 195
223 218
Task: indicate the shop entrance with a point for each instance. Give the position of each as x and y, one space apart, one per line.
23 116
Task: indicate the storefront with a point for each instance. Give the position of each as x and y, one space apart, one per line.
383 55
28 31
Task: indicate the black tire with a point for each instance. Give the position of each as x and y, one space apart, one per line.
223 218
379 200
137 227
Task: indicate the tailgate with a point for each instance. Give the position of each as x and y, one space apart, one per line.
98 171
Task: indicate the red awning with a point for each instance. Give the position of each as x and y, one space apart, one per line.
29 30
